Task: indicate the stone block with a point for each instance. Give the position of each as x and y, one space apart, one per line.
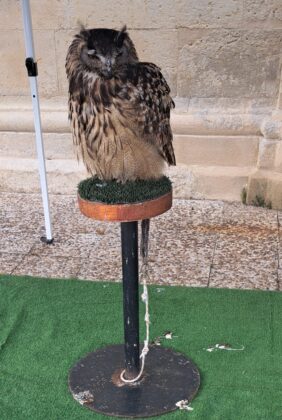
279 101
23 146
229 63
222 116
274 193
257 186
220 183
135 14
154 14
267 153
209 13
271 127
21 175
13 79
181 104
10 15
216 150
263 13
266 185
97 14
209 182
15 145
183 181
51 14
44 42
233 106
278 157
63 39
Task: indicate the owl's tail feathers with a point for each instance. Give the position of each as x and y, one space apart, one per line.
144 247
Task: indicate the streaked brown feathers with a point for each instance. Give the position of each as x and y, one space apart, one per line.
120 124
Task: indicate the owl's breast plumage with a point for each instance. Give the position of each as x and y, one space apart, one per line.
121 126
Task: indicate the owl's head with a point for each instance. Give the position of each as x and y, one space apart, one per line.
106 51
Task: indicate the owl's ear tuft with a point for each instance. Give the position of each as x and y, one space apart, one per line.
81 26
120 36
82 32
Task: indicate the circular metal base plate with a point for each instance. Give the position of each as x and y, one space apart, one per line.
169 377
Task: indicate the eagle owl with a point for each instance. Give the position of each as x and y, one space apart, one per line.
119 107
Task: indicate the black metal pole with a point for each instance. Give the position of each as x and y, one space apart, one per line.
129 244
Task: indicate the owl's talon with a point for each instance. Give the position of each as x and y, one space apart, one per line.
101 185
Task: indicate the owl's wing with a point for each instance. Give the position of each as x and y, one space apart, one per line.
143 105
84 128
153 105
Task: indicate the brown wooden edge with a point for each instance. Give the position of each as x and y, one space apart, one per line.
125 212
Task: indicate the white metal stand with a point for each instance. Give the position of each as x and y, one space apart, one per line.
31 66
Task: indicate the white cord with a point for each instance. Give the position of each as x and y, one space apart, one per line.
145 298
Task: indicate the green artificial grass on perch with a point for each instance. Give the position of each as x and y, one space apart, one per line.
113 192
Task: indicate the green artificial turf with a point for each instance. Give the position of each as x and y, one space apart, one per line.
112 192
47 325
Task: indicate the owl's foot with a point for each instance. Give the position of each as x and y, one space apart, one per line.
101 184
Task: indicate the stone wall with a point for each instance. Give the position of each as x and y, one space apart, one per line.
206 48
222 59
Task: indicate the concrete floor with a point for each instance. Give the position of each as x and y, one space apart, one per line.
196 243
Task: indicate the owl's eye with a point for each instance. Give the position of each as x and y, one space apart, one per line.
91 53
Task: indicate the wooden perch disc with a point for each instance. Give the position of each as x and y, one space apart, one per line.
125 212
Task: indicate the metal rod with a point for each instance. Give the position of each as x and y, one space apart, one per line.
129 244
32 73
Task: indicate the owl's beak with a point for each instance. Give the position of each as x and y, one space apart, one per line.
108 71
